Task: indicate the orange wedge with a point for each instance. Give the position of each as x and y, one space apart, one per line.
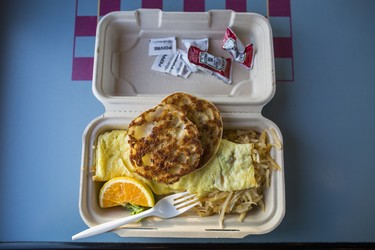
122 190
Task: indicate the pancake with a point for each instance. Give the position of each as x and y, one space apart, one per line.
164 144
206 118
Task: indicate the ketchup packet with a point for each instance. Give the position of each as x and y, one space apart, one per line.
240 53
218 66
202 44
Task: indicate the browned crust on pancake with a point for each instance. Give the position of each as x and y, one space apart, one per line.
205 116
164 144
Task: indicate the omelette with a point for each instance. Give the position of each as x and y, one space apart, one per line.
231 168
110 152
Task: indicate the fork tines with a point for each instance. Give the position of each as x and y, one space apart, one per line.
186 201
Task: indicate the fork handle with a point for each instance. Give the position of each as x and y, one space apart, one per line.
105 227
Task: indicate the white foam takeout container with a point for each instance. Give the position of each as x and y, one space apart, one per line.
124 82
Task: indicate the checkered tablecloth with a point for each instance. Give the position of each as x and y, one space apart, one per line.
88 13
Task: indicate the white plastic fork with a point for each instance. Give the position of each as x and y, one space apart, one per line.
168 207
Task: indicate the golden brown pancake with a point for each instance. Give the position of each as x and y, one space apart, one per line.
164 144
205 116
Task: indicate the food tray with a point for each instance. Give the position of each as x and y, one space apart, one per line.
124 82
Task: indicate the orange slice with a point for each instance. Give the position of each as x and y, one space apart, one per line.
122 190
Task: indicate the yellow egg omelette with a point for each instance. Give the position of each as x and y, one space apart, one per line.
231 169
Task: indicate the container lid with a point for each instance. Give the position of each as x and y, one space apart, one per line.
123 79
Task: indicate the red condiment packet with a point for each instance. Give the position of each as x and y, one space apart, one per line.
239 52
218 66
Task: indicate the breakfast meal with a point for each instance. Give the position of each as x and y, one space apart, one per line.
180 145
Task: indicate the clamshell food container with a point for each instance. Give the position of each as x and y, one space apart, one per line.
125 84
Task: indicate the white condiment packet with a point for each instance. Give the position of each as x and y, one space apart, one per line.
177 66
185 71
162 62
162 46
202 43
171 63
181 65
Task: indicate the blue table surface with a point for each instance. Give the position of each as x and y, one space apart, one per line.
326 117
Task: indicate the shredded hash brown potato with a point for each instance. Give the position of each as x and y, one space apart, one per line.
242 201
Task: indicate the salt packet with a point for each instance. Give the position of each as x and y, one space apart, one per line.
218 66
239 52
